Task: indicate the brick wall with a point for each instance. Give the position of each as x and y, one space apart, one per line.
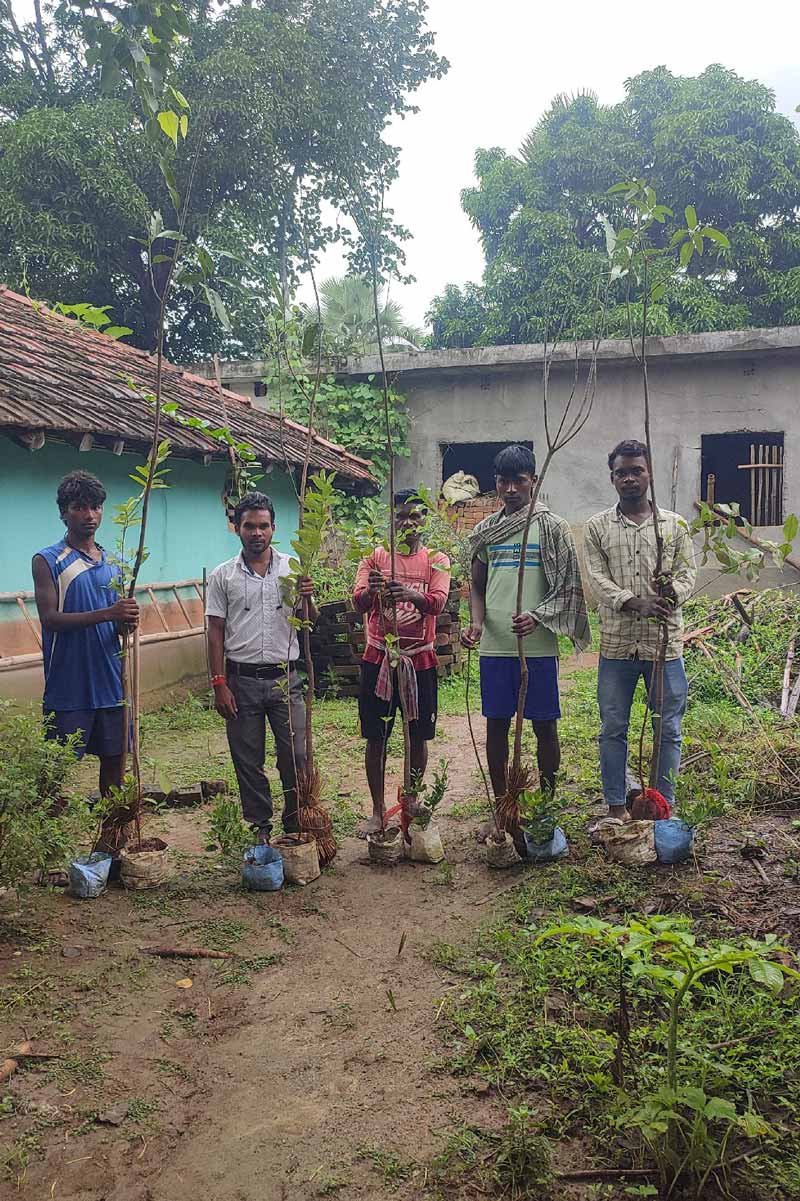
468 513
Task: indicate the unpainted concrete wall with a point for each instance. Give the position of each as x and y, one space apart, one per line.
689 397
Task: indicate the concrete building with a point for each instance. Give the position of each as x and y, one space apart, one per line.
718 400
71 398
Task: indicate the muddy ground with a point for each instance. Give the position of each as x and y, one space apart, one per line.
310 1065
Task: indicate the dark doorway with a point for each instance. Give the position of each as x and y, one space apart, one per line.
475 458
744 468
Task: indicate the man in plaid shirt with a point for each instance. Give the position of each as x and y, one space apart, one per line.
620 549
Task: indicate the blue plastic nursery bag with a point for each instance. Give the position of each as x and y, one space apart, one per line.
544 852
88 875
673 840
263 869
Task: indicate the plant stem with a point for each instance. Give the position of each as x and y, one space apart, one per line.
523 662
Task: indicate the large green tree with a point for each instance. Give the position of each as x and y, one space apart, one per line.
714 141
289 103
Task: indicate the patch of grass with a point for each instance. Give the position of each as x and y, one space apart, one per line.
390 1167
217 933
469 810
170 1067
345 817
195 713
16 1158
238 973
85 1070
444 876
142 1112
513 1162
280 930
541 1019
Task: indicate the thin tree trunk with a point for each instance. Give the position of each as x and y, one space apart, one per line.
523 662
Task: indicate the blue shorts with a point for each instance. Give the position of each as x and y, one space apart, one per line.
500 687
101 729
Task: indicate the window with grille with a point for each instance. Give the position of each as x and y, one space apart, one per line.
744 468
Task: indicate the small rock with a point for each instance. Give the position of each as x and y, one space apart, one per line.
212 788
585 904
71 952
115 1115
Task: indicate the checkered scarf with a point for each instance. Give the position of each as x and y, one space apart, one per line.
563 607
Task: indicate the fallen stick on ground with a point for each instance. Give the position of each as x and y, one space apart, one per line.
187 953
9 1066
760 870
606 1173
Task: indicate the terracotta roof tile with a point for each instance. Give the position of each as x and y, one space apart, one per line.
62 378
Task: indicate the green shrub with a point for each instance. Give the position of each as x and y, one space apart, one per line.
40 825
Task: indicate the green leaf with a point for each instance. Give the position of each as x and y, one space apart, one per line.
690 212
117 331
184 125
790 527
716 236
766 973
718 1107
687 250
168 120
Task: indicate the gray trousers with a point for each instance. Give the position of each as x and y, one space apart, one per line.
259 702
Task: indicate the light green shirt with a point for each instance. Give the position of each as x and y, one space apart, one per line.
502 560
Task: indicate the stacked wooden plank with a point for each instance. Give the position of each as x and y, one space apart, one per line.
338 641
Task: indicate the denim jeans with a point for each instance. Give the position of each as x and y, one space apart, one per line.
616 684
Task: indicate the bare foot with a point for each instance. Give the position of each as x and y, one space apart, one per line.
371 826
620 812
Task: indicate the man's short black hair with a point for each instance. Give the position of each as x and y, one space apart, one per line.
514 461
252 500
408 496
629 448
79 487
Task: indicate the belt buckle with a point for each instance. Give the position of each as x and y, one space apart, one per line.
262 673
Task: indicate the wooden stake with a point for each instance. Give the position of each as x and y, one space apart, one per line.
759 488
186 616
30 622
791 708
753 518
673 496
157 608
787 679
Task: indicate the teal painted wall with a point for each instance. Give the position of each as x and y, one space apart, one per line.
187 528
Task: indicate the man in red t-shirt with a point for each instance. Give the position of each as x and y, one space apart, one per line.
418 589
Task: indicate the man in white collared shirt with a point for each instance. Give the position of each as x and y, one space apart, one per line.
252 654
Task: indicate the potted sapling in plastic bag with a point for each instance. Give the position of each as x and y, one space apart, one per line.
543 837
423 840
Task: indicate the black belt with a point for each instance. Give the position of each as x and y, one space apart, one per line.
258 671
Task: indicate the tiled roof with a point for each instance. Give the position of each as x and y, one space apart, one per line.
61 378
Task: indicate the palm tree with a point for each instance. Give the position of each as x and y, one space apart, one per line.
348 317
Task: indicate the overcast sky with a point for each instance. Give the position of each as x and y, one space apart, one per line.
508 58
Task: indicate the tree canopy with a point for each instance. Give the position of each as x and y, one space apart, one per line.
713 141
289 103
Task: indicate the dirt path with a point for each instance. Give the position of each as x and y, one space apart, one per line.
316 1081
328 1072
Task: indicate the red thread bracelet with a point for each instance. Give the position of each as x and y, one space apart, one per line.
216 680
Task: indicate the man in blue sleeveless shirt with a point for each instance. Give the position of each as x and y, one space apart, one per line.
81 613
